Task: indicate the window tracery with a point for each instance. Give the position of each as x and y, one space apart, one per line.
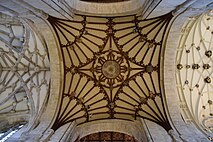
5 135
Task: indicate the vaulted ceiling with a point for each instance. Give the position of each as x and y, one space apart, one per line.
111 68
194 69
24 69
112 62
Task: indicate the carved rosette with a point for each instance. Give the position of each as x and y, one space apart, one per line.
111 69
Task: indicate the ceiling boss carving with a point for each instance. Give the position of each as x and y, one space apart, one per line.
111 67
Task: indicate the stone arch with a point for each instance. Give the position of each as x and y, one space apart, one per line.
131 128
44 119
41 120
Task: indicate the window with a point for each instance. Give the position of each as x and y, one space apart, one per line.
5 135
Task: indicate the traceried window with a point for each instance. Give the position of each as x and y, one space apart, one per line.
5 135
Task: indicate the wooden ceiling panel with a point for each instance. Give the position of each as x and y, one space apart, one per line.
113 66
